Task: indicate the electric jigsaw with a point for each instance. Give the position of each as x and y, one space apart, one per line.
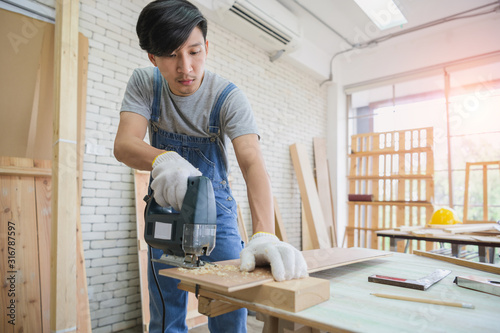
186 235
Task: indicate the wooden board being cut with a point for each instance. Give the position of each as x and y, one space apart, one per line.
292 295
228 278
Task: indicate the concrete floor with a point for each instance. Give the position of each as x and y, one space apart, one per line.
253 326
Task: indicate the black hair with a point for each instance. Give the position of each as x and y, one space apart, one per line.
164 25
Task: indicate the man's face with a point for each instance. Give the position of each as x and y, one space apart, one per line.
185 67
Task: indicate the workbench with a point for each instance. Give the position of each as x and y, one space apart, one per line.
486 244
352 308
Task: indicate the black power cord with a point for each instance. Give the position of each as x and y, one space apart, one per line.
159 290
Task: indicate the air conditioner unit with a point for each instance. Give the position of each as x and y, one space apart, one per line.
266 23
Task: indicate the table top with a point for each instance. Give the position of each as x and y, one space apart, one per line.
436 235
352 308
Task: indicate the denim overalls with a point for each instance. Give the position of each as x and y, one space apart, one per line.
205 154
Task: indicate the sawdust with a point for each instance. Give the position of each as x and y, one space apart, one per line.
220 270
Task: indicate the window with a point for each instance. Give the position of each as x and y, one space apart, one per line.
466 122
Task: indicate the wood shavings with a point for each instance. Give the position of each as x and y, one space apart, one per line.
219 270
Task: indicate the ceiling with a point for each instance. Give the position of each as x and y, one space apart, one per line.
335 25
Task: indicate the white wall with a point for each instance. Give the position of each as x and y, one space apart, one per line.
430 47
289 107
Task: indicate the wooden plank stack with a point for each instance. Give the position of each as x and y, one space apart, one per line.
396 170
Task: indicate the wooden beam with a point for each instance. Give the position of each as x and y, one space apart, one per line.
306 237
24 171
141 181
64 169
83 307
323 184
309 193
461 262
291 295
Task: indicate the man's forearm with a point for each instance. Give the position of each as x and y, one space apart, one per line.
136 153
260 200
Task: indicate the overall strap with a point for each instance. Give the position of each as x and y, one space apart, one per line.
157 87
213 126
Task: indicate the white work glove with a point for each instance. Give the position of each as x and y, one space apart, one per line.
263 248
170 177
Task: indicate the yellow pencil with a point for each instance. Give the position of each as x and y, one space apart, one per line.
426 300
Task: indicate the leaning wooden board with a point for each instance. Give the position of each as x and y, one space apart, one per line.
229 279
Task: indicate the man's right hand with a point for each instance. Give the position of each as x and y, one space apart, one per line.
170 176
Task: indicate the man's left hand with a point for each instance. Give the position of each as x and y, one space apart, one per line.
286 261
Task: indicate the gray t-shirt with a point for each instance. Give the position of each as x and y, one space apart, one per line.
190 115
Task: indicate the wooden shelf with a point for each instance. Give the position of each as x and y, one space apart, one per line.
403 176
394 167
391 152
391 203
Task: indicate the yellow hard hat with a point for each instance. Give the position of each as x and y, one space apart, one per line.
444 216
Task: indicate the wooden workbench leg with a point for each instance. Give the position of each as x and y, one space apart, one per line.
270 323
285 326
455 250
393 244
481 251
491 255
486 254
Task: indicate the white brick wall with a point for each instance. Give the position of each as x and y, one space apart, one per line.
289 107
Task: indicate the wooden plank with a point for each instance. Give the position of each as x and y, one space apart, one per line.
323 183
334 225
279 227
43 205
306 237
319 260
213 308
64 186
461 262
309 194
461 228
18 243
83 308
241 226
141 183
270 326
227 277
9 170
291 295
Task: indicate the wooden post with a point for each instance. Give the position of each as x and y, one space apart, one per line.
83 308
309 193
64 169
485 192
